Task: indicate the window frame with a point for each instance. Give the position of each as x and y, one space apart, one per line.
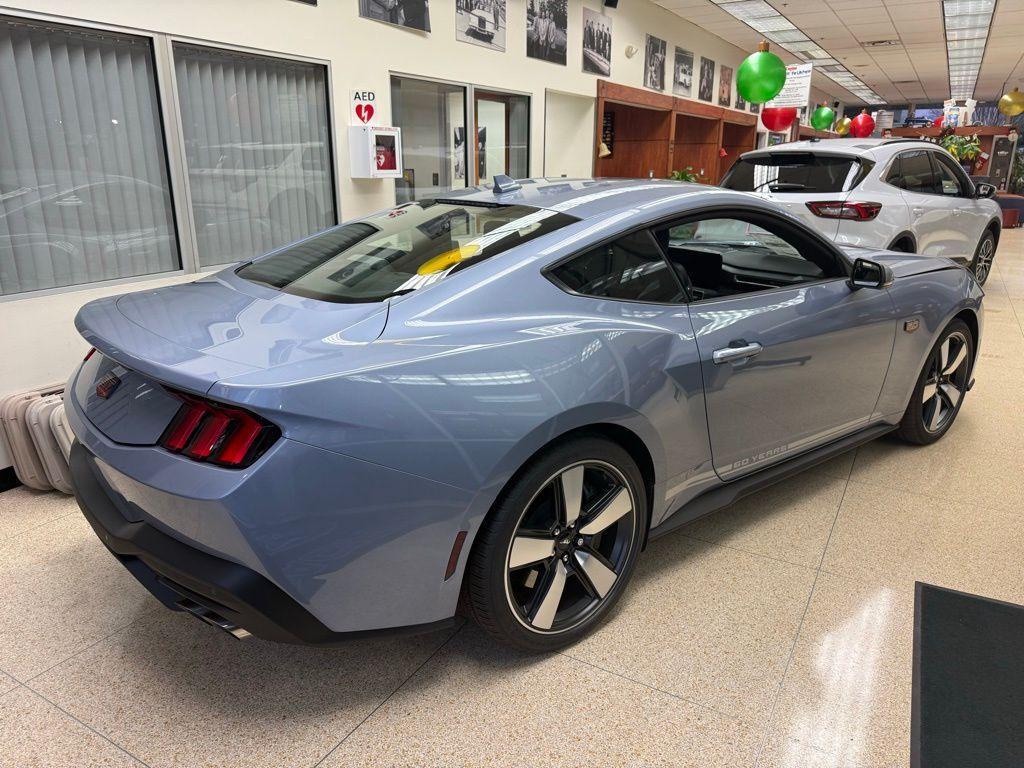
717 211
967 184
469 112
934 156
172 136
684 289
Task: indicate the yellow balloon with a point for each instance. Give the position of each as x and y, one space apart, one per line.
1012 103
843 126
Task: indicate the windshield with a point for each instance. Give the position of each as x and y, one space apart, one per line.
795 172
400 250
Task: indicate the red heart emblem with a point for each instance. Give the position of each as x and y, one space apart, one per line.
364 112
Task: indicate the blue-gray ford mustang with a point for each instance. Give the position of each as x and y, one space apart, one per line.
500 394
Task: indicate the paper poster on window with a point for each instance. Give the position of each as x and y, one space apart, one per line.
797 90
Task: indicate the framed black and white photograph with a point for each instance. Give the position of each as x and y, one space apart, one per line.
682 73
597 43
706 84
654 63
413 14
481 22
725 87
755 108
547 27
741 103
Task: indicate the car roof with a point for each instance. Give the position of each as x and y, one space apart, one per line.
850 147
586 198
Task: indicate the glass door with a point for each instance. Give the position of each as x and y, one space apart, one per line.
502 135
432 117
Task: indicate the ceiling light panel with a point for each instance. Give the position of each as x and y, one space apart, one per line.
763 18
967 24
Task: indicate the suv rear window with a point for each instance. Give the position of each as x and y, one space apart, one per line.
400 250
783 172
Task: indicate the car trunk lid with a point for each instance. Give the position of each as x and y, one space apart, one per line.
191 336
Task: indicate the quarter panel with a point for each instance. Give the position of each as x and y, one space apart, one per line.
359 545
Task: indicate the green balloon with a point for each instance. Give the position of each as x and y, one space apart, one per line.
822 118
760 77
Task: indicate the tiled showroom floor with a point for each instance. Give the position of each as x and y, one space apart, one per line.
775 633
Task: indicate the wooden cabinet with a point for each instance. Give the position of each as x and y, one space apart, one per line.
657 133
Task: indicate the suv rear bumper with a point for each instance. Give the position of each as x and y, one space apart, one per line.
221 592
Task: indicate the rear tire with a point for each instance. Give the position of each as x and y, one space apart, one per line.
941 387
559 547
984 254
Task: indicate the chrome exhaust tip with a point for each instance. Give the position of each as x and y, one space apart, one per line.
213 618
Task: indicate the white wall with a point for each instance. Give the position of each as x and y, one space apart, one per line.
40 343
568 135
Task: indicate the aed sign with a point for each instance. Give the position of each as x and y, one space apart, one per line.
364 108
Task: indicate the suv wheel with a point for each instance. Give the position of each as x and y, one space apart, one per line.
559 547
941 387
983 256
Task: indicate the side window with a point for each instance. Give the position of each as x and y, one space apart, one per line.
918 172
895 174
725 257
951 182
630 269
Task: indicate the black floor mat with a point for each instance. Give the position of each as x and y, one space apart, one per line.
968 707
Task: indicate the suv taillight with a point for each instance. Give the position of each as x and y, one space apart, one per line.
837 209
205 430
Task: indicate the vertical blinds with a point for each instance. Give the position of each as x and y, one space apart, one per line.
84 194
256 134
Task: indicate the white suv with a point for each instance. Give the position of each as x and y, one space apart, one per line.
898 194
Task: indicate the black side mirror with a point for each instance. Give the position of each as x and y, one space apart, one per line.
869 274
984 190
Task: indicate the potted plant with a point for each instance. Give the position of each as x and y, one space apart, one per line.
964 148
686 174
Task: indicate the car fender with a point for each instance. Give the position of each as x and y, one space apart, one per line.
926 303
904 235
589 415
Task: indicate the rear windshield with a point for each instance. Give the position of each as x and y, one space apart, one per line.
795 172
401 250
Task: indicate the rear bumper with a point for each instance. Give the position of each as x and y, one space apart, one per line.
185 578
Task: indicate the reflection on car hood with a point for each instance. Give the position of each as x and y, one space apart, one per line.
901 264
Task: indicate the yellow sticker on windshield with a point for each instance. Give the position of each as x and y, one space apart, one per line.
447 259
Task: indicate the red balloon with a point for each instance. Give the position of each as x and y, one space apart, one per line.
937 122
862 126
778 118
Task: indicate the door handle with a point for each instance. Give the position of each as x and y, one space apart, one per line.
918 211
732 354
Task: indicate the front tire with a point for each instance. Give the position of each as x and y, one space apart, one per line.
941 387
984 254
559 546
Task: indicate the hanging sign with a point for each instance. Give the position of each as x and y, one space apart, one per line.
364 108
797 90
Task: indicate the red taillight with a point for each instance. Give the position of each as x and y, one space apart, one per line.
837 209
90 353
205 430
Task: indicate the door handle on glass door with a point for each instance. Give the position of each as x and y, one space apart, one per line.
732 354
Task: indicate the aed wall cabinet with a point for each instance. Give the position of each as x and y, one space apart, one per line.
375 152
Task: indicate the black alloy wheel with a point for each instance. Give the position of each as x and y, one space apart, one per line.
559 546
